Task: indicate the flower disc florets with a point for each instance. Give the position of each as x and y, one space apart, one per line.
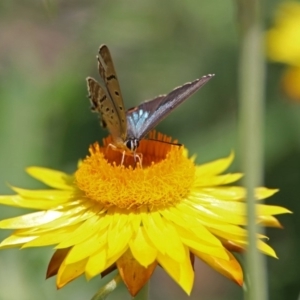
165 177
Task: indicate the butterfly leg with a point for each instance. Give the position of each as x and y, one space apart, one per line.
123 157
139 157
112 146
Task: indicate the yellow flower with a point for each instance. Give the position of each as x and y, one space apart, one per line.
133 218
283 45
283 40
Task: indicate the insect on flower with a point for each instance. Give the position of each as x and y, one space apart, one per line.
128 128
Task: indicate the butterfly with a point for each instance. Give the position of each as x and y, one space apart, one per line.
128 128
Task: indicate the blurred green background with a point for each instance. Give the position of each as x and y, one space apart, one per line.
48 48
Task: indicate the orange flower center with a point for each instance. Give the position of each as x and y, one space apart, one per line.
165 177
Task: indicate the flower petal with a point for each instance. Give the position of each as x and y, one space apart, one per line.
217 180
53 195
142 248
231 193
192 221
153 232
18 201
236 193
99 263
67 273
229 268
86 248
118 237
215 167
30 220
55 262
157 229
192 241
182 272
83 231
265 248
263 192
15 240
267 210
269 221
52 178
133 274
51 237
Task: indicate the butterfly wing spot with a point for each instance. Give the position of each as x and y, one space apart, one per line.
103 99
109 78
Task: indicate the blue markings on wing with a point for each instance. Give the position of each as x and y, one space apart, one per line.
136 122
139 116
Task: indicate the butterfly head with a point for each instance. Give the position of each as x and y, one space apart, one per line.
132 144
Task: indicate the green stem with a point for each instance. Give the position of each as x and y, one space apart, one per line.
251 96
105 291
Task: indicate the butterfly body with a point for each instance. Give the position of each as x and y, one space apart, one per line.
128 128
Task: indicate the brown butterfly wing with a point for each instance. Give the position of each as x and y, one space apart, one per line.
109 76
108 101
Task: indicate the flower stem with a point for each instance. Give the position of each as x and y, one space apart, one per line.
251 96
105 291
